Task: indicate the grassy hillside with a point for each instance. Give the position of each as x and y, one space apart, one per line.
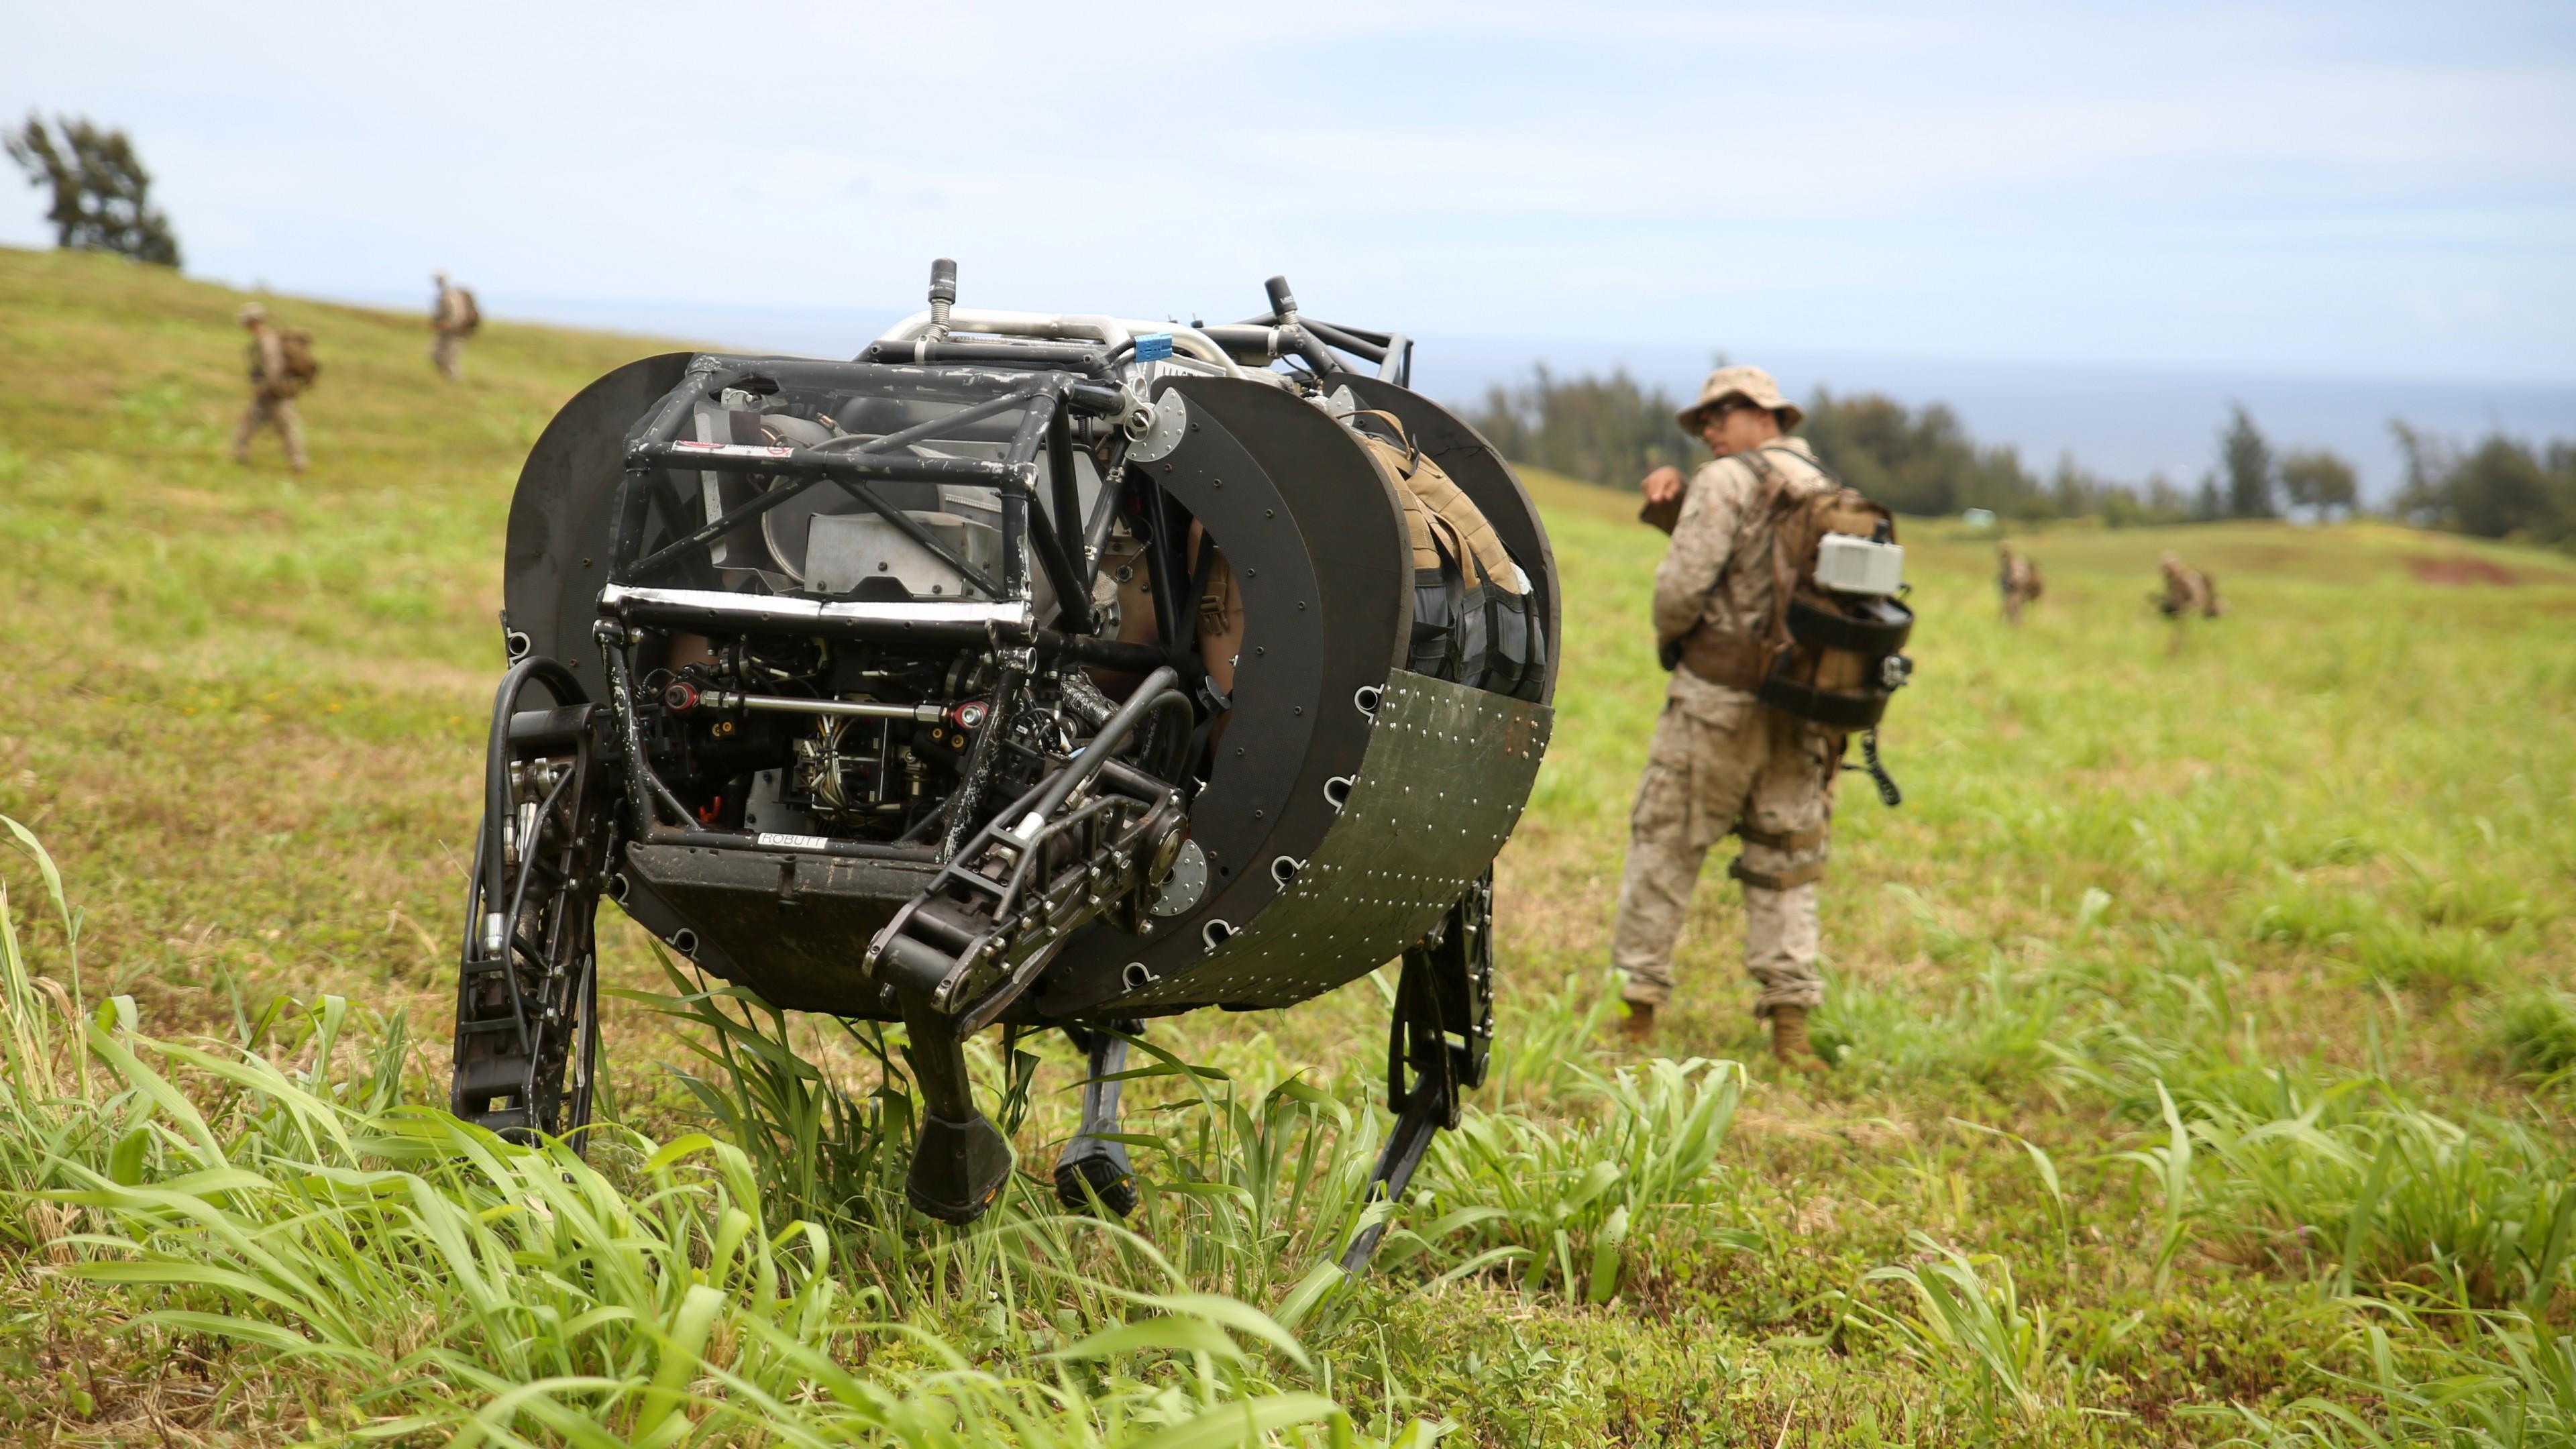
2202 1018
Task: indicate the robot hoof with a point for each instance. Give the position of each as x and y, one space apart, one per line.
1092 1169
958 1168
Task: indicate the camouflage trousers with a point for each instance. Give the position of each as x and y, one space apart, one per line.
266 411
1720 763
446 352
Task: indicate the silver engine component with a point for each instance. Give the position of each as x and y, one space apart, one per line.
843 549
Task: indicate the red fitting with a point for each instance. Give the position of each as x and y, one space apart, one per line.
970 715
680 698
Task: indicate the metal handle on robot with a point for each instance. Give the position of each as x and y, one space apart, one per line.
783 704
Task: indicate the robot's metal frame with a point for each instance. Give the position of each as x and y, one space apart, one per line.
1014 798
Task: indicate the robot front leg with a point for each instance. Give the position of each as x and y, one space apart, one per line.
1094 1165
961 1160
1438 1046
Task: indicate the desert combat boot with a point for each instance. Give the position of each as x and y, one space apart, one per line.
1789 1044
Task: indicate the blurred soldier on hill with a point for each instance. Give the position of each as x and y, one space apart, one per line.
281 365
1721 762
2187 591
453 318
2017 576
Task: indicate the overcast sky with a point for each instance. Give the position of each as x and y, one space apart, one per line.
2350 189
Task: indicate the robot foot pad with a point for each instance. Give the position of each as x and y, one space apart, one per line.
1100 1171
958 1168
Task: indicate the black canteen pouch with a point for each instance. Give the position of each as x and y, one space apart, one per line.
1520 646
1471 632
1442 647
1875 629
1515 646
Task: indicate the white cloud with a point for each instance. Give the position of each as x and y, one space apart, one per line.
2239 186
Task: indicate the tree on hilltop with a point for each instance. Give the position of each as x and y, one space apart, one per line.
101 192
2318 479
2245 457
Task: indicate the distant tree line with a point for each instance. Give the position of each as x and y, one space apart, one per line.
2502 488
1612 431
1922 460
1606 430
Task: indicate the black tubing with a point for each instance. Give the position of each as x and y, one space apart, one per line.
1148 697
643 787
1067 490
1306 345
1072 589
496 757
980 759
1349 342
1249 344
1115 654
1090 361
1104 512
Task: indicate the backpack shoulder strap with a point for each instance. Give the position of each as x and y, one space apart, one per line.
1767 500
1783 507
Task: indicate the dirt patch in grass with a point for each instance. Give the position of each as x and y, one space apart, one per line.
2459 569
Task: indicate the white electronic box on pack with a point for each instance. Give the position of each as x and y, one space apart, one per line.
1041 670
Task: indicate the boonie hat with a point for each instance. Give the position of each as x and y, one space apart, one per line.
1749 383
253 312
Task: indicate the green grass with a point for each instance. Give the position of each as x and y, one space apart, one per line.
2202 1022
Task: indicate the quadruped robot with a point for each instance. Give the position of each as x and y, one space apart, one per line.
1047 670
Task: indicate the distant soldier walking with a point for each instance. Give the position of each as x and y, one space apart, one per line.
2188 591
452 318
281 365
2017 577
1721 762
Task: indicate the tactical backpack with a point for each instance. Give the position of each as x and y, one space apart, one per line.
1830 650
467 316
296 346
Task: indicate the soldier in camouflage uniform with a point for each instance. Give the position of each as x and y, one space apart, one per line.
272 392
1721 762
2017 578
452 318
2188 591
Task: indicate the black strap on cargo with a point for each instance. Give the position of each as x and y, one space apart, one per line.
1484 594
1453 595
1833 708
1881 628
